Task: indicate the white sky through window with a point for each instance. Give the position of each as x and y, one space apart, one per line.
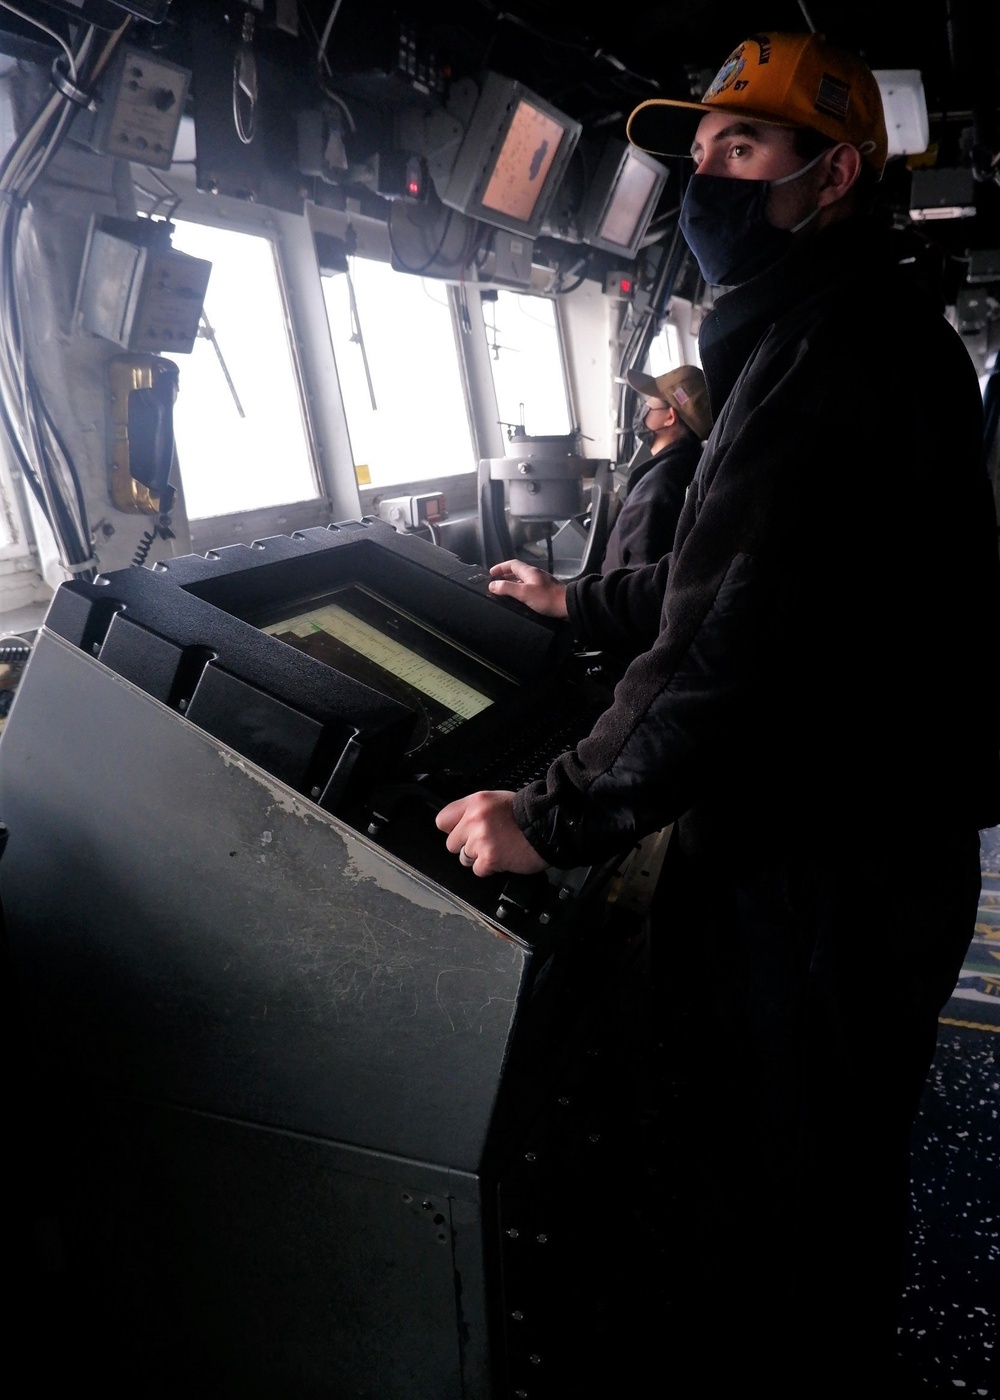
527 363
419 427
230 462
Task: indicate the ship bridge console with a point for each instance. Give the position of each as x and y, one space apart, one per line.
320 1084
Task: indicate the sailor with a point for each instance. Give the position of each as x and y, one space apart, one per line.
813 700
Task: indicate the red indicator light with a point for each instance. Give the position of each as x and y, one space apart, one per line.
414 177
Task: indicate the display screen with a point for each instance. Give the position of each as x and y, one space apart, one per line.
359 633
628 203
523 163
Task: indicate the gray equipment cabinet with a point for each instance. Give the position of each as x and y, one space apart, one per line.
318 1113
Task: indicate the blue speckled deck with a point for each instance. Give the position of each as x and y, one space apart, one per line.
952 1291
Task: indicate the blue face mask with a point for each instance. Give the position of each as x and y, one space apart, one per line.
725 225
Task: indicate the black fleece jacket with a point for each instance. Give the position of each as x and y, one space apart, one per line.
644 527
820 651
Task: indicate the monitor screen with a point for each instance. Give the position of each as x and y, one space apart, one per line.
361 634
512 158
523 162
325 657
622 199
627 204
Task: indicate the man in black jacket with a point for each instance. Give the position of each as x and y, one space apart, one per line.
676 421
813 698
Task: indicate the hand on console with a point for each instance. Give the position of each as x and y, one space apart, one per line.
531 586
483 834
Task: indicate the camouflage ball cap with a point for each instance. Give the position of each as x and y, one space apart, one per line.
791 80
684 389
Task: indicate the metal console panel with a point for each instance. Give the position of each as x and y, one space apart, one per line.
191 930
287 1069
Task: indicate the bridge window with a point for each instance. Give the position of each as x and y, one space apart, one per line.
399 372
241 438
10 515
664 351
526 357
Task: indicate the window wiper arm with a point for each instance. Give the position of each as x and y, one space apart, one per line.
357 337
207 332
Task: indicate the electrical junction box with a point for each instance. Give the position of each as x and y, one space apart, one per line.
619 285
904 104
320 143
984 265
974 309
942 194
141 104
138 291
410 512
512 255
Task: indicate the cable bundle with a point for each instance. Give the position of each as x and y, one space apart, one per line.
35 441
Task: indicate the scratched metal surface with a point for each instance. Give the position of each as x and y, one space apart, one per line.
189 929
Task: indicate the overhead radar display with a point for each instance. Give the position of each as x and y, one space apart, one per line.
523 164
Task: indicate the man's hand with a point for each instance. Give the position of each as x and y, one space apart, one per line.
483 834
533 587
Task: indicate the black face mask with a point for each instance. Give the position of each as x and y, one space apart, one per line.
639 430
726 227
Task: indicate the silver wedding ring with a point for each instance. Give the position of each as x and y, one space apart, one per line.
465 858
